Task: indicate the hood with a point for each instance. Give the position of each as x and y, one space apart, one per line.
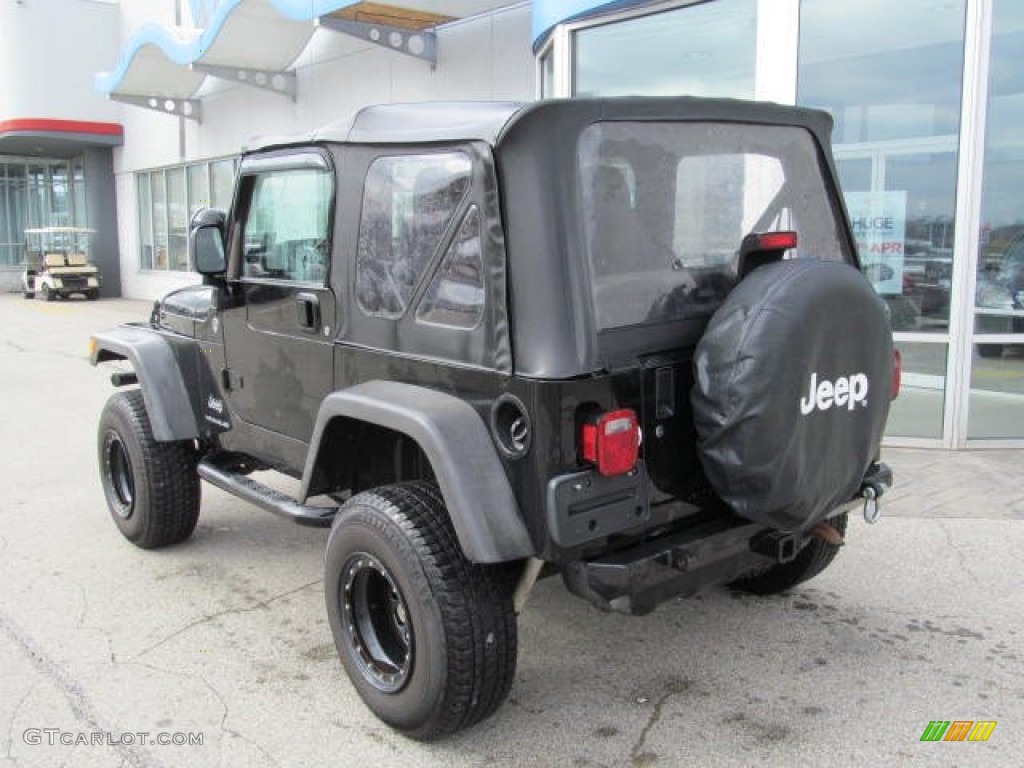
180 310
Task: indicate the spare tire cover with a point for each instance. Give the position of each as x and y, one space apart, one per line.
792 390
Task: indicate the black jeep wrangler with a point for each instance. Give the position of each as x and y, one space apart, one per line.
622 340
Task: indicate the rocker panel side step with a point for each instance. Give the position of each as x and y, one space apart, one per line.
264 497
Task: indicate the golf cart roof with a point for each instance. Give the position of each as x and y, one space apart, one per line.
60 231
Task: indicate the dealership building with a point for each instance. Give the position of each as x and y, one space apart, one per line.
125 117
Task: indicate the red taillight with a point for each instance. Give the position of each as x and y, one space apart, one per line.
612 442
776 241
897 375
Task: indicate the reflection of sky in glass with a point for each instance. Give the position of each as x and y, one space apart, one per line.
1003 190
884 70
890 73
703 50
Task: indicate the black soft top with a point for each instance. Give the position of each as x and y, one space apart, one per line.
493 121
535 148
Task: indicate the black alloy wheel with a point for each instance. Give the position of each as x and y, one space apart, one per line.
375 620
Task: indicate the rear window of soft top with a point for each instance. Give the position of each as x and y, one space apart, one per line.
667 205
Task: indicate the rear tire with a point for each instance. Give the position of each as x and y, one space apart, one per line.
427 638
28 294
152 488
809 562
92 294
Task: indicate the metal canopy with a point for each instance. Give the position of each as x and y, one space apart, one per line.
255 42
403 30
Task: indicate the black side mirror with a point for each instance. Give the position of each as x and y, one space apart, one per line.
206 238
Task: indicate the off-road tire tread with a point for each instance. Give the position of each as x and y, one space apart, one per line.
809 562
474 600
169 470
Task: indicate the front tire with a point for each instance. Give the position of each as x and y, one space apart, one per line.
427 638
152 488
47 292
809 562
92 294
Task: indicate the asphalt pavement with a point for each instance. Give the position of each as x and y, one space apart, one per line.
221 648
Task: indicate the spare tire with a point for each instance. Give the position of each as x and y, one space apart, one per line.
791 391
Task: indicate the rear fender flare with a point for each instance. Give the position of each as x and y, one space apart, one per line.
455 440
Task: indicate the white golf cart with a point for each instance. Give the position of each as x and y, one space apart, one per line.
57 264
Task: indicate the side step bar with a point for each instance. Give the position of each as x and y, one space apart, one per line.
264 497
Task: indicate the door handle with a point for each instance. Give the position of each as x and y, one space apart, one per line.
307 308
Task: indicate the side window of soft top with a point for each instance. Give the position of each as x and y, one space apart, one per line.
285 235
409 204
455 296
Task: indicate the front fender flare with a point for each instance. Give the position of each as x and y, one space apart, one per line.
163 387
455 439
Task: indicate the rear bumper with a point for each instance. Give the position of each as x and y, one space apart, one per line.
637 579
683 563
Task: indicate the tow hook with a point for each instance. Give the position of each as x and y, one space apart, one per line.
876 482
872 509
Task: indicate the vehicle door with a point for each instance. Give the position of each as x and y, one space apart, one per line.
279 313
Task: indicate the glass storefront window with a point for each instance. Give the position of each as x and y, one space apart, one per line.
38 196
167 198
997 392
222 183
917 412
37 192
6 246
78 193
702 50
159 197
198 187
177 219
996 407
146 221
854 172
890 75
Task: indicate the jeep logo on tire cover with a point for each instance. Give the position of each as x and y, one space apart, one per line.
846 390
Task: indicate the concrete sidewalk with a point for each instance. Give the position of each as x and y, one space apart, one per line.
224 637
956 484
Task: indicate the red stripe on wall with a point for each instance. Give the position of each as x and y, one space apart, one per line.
43 124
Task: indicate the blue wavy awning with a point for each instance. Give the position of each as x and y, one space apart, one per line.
156 59
265 35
